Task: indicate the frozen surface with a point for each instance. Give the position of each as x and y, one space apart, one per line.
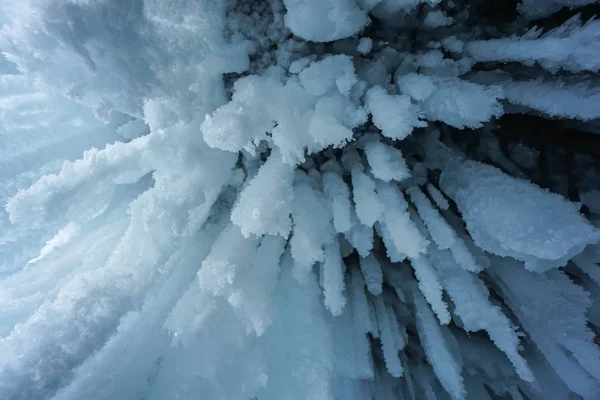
480 192
298 199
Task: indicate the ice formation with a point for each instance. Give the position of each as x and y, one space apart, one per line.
299 199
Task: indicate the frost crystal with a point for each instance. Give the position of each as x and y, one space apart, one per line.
299 199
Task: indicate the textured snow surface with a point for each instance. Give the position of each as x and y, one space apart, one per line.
324 20
299 199
502 213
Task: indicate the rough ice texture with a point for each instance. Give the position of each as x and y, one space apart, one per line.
364 45
438 228
333 279
265 205
437 18
568 346
339 195
318 101
454 101
572 46
462 104
578 101
368 204
312 225
542 8
371 270
324 20
239 200
396 116
386 162
502 213
440 356
403 233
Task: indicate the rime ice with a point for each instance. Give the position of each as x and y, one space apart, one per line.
299 199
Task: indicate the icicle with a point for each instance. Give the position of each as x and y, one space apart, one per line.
368 204
333 279
568 46
373 317
312 225
360 236
397 277
437 197
431 288
363 322
441 233
222 265
371 270
264 206
408 380
425 378
485 362
588 260
470 296
403 232
392 252
396 332
386 162
252 295
577 100
338 193
463 256
351 348
447 370
388 339
363 364
539 300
